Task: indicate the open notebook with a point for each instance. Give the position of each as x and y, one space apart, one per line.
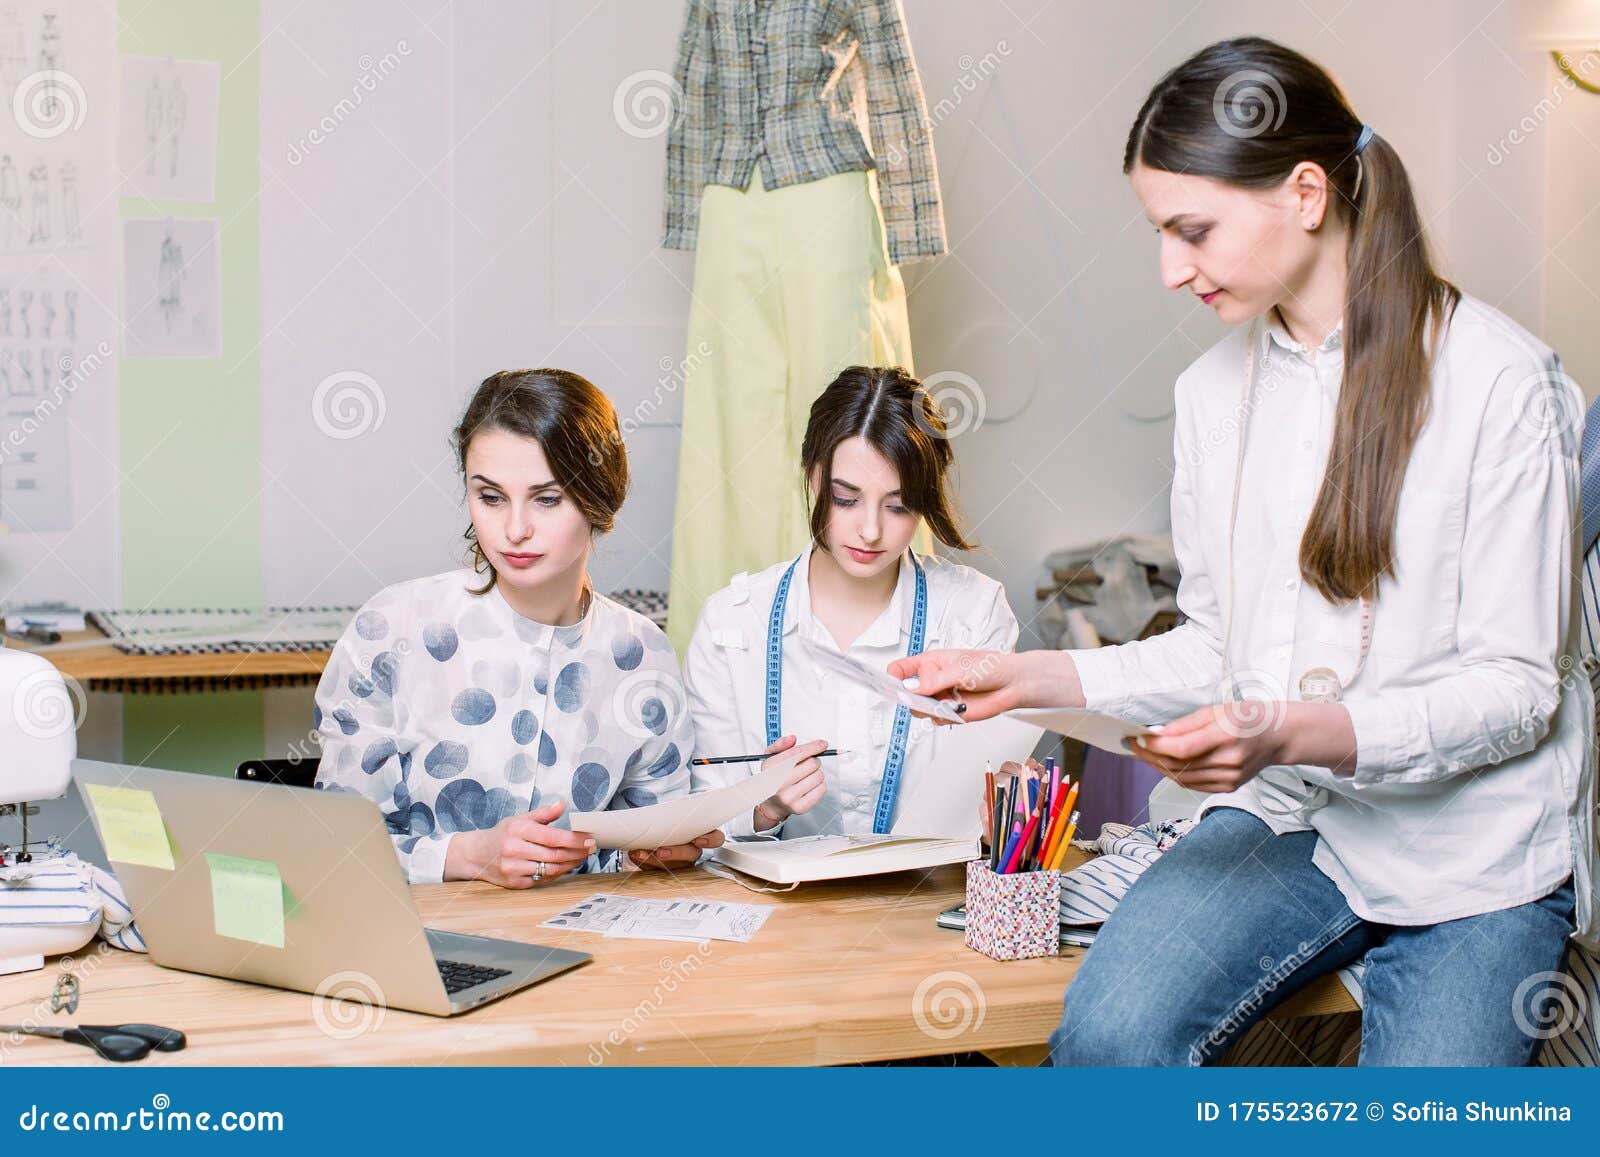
936 815
840 857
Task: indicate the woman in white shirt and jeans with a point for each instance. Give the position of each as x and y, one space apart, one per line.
1373 509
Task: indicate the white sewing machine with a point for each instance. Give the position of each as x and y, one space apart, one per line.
37 744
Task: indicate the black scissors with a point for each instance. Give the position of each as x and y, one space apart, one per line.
114 1042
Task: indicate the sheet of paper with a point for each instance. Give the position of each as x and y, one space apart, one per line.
643 918
879 682
130 826
942 797
693 920
246 899
595 914
172 295
167 128
677 821
1103 731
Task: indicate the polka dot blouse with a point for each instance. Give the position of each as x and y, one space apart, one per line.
451 712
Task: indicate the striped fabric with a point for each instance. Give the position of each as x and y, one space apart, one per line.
58 890
1590 457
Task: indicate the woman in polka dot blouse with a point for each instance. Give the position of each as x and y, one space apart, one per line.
475 707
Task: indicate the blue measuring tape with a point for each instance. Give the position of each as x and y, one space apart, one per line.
884 814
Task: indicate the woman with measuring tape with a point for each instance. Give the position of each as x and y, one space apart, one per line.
1373 502
876 459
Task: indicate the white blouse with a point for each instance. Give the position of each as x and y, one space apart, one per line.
452 712
1474 786
725 672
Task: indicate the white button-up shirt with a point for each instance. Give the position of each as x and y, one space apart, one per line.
1474 785
725 673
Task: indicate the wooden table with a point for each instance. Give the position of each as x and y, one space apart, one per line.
846 971
101 667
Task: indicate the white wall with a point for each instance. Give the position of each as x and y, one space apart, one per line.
481 208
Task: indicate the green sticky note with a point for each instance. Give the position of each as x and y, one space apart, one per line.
246 899
130 826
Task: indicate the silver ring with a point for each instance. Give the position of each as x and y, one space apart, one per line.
538 870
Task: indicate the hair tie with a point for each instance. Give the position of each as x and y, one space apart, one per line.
1364 139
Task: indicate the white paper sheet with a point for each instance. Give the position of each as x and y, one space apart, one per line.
642 918
942 797
172 306
167 128
880 682
1092 727
677 821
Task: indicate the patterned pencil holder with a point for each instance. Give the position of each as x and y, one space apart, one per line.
1012 917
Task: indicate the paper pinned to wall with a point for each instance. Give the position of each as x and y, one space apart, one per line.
167 128
57 373
173 300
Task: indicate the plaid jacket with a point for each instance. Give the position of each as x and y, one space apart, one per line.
809 88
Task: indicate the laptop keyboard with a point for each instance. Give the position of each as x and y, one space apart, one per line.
459 975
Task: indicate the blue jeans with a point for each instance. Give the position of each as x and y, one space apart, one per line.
1233 920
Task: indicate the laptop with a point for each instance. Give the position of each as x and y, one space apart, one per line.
348 916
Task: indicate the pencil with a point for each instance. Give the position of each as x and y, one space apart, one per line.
1066 841
709 760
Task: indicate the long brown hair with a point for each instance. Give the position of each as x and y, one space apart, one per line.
576 427
1246 112
900 420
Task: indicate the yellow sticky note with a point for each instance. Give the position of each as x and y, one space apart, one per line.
130 826
246 899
